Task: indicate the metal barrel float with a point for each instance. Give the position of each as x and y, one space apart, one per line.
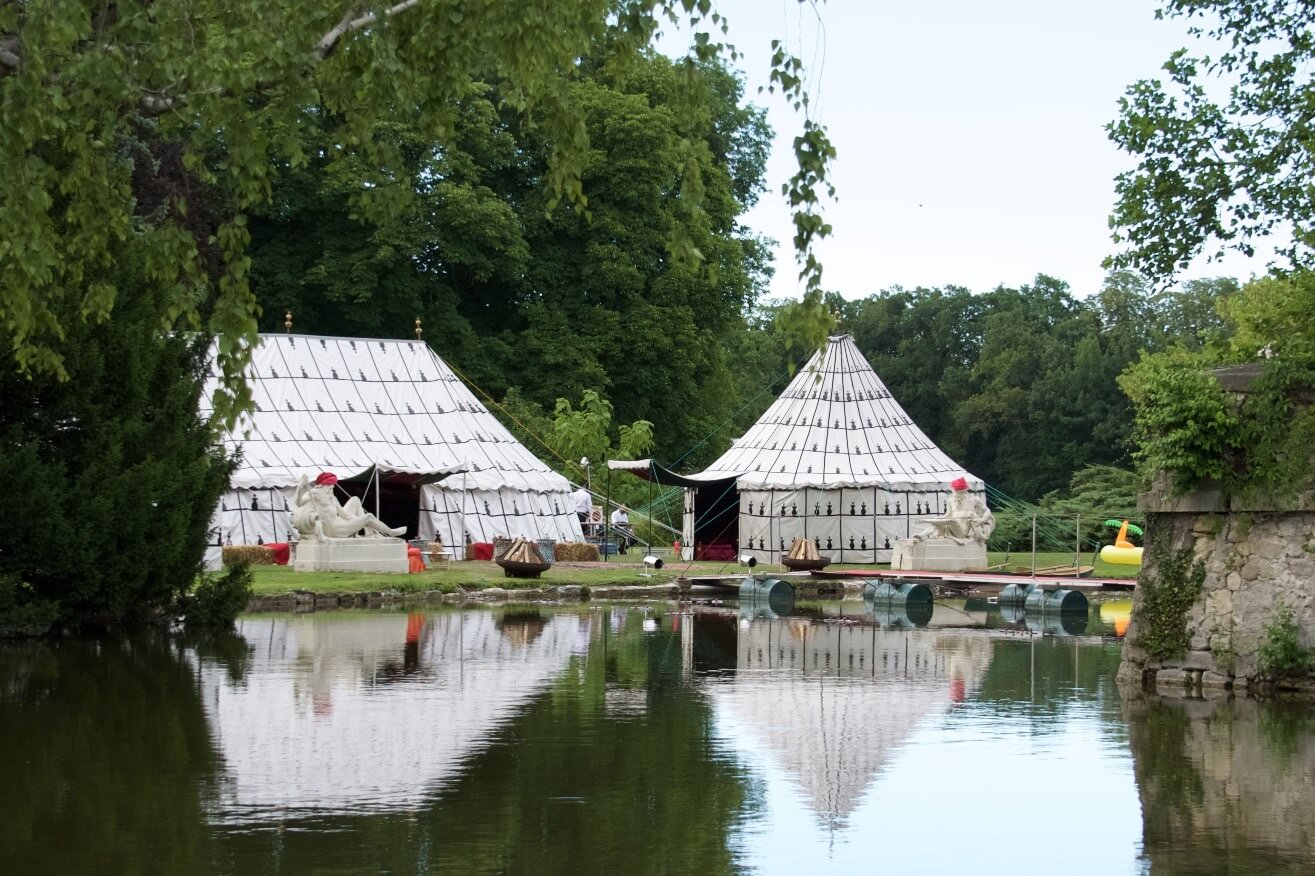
899 603
1015 595
1059 601
766 596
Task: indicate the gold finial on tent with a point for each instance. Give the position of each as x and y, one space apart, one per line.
420 330
287 321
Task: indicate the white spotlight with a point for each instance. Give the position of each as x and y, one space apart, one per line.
748 560
652 562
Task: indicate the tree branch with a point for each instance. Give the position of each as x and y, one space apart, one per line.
329 41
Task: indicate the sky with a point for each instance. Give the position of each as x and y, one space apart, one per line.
970 136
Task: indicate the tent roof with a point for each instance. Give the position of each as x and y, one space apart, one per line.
836 425
347 405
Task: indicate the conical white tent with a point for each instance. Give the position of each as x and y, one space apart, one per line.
835 459
392 418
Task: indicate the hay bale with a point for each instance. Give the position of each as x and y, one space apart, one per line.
576 552
252 554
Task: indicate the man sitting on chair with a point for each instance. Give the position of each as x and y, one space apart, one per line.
625 536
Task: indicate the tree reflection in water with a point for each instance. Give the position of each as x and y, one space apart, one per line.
1226 785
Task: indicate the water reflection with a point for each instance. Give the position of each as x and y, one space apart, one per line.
107 758
708 740
344 712
831 702
1227 786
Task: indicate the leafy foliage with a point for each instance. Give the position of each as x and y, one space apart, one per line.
217 600
1184 426
112 476
1223 146
1188 428
1167 591
235 86
22 613
1281 654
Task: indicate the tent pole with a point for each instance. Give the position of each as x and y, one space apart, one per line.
607 515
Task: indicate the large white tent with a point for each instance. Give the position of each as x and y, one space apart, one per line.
397 426
835 459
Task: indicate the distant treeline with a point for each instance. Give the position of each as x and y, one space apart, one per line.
533 304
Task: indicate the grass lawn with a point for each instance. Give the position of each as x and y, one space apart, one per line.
477 574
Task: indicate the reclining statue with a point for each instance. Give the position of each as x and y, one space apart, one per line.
315 511
966 519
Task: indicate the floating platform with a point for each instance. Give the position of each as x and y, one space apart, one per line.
1071 582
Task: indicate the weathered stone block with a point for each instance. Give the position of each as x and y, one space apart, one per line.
353 555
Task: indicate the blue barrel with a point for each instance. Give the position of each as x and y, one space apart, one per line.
901 616
772 594
1059 601
1016 594
897 592
1068 623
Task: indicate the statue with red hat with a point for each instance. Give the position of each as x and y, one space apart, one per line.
317 513
955 541
966 518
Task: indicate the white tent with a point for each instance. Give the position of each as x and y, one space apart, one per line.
398 427
835 459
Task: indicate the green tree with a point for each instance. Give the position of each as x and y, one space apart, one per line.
1223 147
234 84
113 476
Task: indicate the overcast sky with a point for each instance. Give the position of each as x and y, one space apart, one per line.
970 135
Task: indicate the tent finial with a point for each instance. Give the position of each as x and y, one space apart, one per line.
420 330
287 321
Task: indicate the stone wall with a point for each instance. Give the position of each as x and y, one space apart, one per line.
1255 555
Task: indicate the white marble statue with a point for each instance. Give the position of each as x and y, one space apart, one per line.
953 542
316 512
966 520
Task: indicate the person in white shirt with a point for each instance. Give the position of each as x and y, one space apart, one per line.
584 505
621 525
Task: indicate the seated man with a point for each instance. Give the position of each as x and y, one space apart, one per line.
625 536
315 511
966 518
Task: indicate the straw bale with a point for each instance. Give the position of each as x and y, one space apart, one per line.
254 554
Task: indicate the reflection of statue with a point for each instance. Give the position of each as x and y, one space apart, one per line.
966 518
315 511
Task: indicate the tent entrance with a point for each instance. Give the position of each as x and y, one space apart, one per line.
399 503
716 521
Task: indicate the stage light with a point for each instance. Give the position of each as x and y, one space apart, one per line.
748 560
652 562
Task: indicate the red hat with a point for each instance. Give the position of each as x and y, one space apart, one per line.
959 484
325 477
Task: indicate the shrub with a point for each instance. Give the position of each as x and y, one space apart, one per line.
216 602
22 613
1281 654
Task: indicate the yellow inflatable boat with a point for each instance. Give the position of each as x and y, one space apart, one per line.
1122 552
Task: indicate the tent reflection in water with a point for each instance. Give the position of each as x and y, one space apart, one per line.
834 459
394 422
341 712
832 704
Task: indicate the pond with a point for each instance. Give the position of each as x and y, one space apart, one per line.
640 739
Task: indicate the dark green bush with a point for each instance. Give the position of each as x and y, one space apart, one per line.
216 601
22 613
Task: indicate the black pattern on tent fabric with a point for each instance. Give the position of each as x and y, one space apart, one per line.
834 436
345 405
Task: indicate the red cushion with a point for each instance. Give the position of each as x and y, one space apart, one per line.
483 550
280 549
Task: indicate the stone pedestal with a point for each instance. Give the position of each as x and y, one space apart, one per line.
352 555
938 555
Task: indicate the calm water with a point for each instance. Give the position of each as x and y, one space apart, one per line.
638 740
